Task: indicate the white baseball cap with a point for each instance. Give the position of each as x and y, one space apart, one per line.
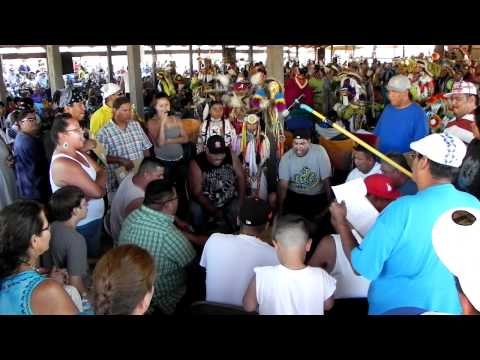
456 240
442 148
463 87
399 83
109 89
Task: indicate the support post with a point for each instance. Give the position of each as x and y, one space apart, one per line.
190 54
154 66
135 78
54 64
111 74
275 63
3 89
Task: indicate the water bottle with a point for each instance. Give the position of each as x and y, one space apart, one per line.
87 307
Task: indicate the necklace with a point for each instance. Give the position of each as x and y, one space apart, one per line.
298 82
29 265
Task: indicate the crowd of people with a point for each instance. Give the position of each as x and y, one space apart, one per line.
226 192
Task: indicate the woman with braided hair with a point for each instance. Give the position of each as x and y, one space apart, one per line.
123 281
255 150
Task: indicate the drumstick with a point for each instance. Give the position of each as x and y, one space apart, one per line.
356 139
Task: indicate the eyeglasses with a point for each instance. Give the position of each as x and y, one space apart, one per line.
418 155
30 120
78 130
45 229
461 98
162 203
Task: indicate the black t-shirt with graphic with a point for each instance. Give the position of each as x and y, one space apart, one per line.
219 182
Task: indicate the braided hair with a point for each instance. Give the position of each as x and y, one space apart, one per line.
209 119
121 279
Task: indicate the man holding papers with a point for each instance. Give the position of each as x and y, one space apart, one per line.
376 191
397 253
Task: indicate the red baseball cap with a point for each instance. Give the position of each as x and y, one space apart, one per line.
381 186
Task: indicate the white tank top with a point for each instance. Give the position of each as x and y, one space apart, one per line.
349 285
96 207
282 291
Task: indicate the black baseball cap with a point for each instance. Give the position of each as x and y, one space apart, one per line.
302 134
255 212
216 145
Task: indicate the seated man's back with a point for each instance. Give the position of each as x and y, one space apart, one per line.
127 192
151 227
283 291
229 261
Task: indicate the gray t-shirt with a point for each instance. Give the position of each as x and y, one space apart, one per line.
305 174
68 249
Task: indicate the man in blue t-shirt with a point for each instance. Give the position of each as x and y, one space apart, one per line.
397 253
403 121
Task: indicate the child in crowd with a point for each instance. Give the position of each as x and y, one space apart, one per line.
68 248
291 288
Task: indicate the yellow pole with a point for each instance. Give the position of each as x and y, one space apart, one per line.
358 140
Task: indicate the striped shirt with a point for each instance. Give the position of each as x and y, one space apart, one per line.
155 232
129 144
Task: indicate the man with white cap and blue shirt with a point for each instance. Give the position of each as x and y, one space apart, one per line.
397 254
99 118
402 121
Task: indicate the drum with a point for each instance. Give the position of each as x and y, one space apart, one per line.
192 128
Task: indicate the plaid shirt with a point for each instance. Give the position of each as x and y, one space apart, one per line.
129 144
155 232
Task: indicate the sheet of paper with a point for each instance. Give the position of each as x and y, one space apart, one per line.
360 212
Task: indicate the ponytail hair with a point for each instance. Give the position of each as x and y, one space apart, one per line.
60 124
19 221
121 279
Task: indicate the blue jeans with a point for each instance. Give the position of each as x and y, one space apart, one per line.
230 213
91 232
